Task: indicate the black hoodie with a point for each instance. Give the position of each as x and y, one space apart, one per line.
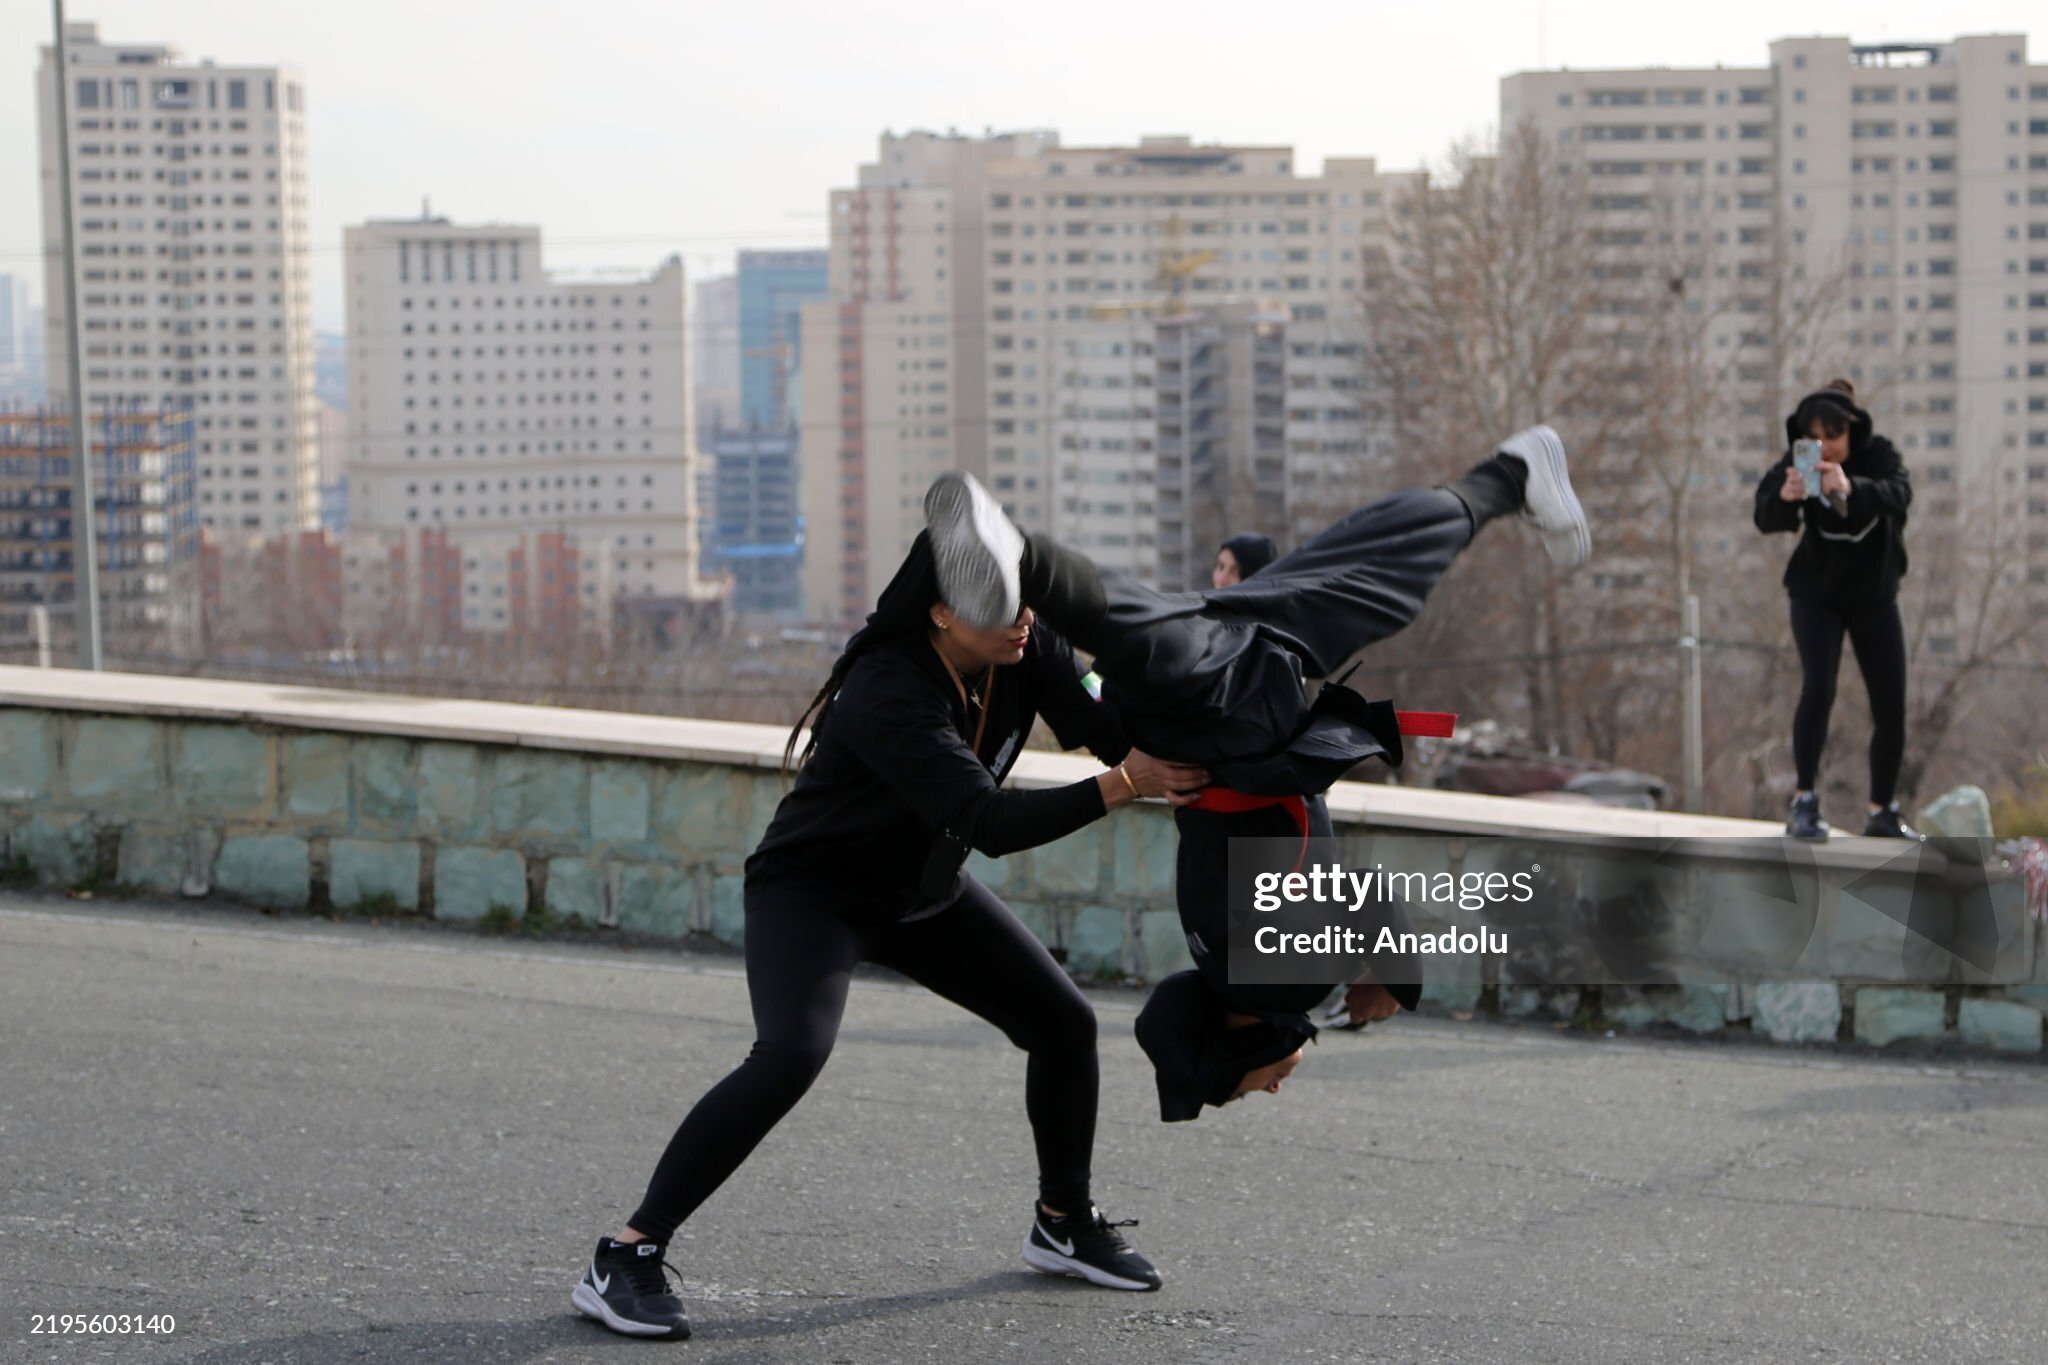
1852 560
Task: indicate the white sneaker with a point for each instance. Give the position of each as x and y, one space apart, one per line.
1548 500
977 552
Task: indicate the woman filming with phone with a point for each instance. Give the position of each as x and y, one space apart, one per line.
1844 489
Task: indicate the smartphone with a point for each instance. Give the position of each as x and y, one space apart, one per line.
1806 459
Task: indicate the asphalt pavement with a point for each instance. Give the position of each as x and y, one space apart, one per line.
316 1142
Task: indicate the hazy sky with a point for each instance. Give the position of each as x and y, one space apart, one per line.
630 130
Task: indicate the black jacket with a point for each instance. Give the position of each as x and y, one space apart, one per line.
882 816
1853 560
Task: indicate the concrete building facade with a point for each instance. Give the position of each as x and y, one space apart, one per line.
189 190
145 523
488 396
993 309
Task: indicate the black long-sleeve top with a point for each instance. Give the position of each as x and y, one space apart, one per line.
1848 559
882 813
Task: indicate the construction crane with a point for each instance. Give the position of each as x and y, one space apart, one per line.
780 352
1170 279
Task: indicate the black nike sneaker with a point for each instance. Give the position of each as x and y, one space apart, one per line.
1888 824
1089 1247
624 1289
1805 821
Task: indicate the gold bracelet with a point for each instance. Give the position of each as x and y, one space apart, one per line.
1127 781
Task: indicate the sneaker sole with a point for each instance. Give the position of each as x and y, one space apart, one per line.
1048 1262
592 1305
1552 504
974 543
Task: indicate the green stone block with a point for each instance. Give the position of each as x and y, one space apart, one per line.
1073 865
1042 923
387 793
469 881
1540 1002
1885 1015
655 899
362 870
1696 1009
1097 945
271 870
58 847
537 793
316 777
619 804
448 790
698 811
729 910
112 766
1162 946
222 770
154 859
993 873
1797 1011
1452 981
764 795
1143 849
24 755
575 890
2003 1025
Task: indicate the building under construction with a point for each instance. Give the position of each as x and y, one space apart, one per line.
145 519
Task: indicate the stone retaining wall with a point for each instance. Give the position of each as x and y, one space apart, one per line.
306 799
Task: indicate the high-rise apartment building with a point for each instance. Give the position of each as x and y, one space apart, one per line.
981 290
189 190
715 354
16 341
1902 188
773 287
144 523
486 395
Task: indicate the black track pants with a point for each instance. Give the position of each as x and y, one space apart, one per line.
800 960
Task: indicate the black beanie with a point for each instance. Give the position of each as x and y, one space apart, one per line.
1252 551
1196 1059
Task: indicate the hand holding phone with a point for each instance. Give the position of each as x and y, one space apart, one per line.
1806 462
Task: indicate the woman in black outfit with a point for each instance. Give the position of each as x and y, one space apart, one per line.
1844 580
912 735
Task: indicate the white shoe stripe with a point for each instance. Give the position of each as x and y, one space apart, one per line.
592 1305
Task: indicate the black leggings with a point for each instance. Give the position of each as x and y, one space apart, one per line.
800 960
1879 638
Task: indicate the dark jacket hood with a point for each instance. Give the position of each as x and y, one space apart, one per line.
1860 425
1252 552
1195 1059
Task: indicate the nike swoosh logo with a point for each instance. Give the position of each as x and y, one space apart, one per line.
599 1282
1063 1248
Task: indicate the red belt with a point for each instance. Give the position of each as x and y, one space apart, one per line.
1226 801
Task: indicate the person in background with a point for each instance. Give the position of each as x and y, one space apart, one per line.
1843 579
1241 556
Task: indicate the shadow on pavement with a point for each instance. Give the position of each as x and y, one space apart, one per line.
533 1338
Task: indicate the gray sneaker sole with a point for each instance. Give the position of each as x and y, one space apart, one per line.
977 552
1549 501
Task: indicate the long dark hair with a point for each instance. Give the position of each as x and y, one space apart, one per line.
904 610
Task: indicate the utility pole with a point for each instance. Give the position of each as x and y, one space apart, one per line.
85 561
1689 722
